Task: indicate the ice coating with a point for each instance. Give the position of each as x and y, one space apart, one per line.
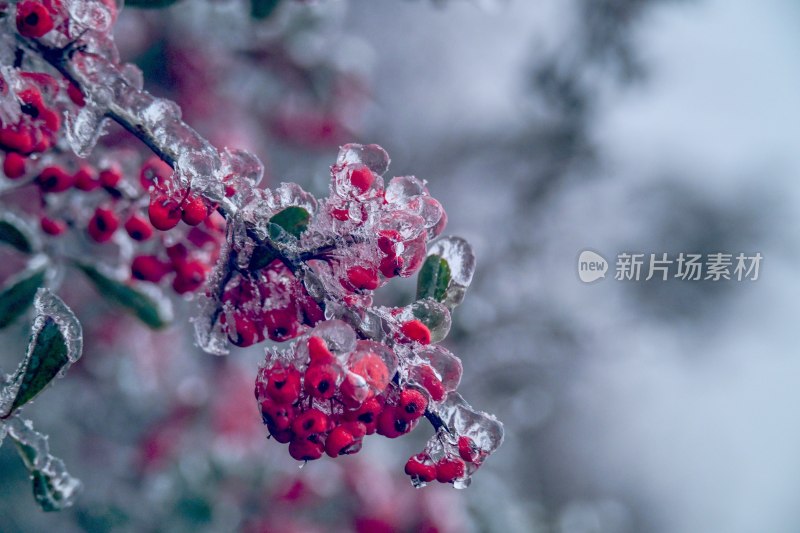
49 307
461 260
447 366
60 489
372 156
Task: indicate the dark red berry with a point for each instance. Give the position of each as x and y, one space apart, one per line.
138 228
14 165
390 425
277 416
362 179
345 439
54 179
320 381
189 276
149 268
411 405
195 210
52 227
449 469
284 384
86 179
310 423
110 177
164 212
367 414
467 449
421 467
155 173
282 324
305 450
33 19
416 331
318 352
102 225
360 278
75 95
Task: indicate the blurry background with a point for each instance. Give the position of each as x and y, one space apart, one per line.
544 127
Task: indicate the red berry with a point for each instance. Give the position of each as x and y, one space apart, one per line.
149 268
178 253
390 425
449 469
467 449
189 276
75 95
367 414
195 210
318 352
164 213
361 278
54 179
281 324
245 331
421 467
345 439
391 266
310 423
33 19
416 331
155 173
103 224
412 405
52 227
387 239
428 379
362 179
373 370
277 416
110 177
320 381
14 165
305 450
284 384
85 179
138 228
340 213
354 390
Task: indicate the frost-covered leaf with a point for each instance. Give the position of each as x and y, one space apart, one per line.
144 301
293 220
53 488
433 279
18 292
460 259
15 232
56 342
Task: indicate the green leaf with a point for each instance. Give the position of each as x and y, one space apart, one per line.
433 279
53 487
49 352
46 358
16 233
293 220
149 4
12 236
261 9
18 294
148 308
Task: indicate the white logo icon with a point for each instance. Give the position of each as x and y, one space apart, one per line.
591 266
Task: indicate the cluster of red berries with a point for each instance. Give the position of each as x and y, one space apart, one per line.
455 464
330 390
120 206
37 127
37 18
270 303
